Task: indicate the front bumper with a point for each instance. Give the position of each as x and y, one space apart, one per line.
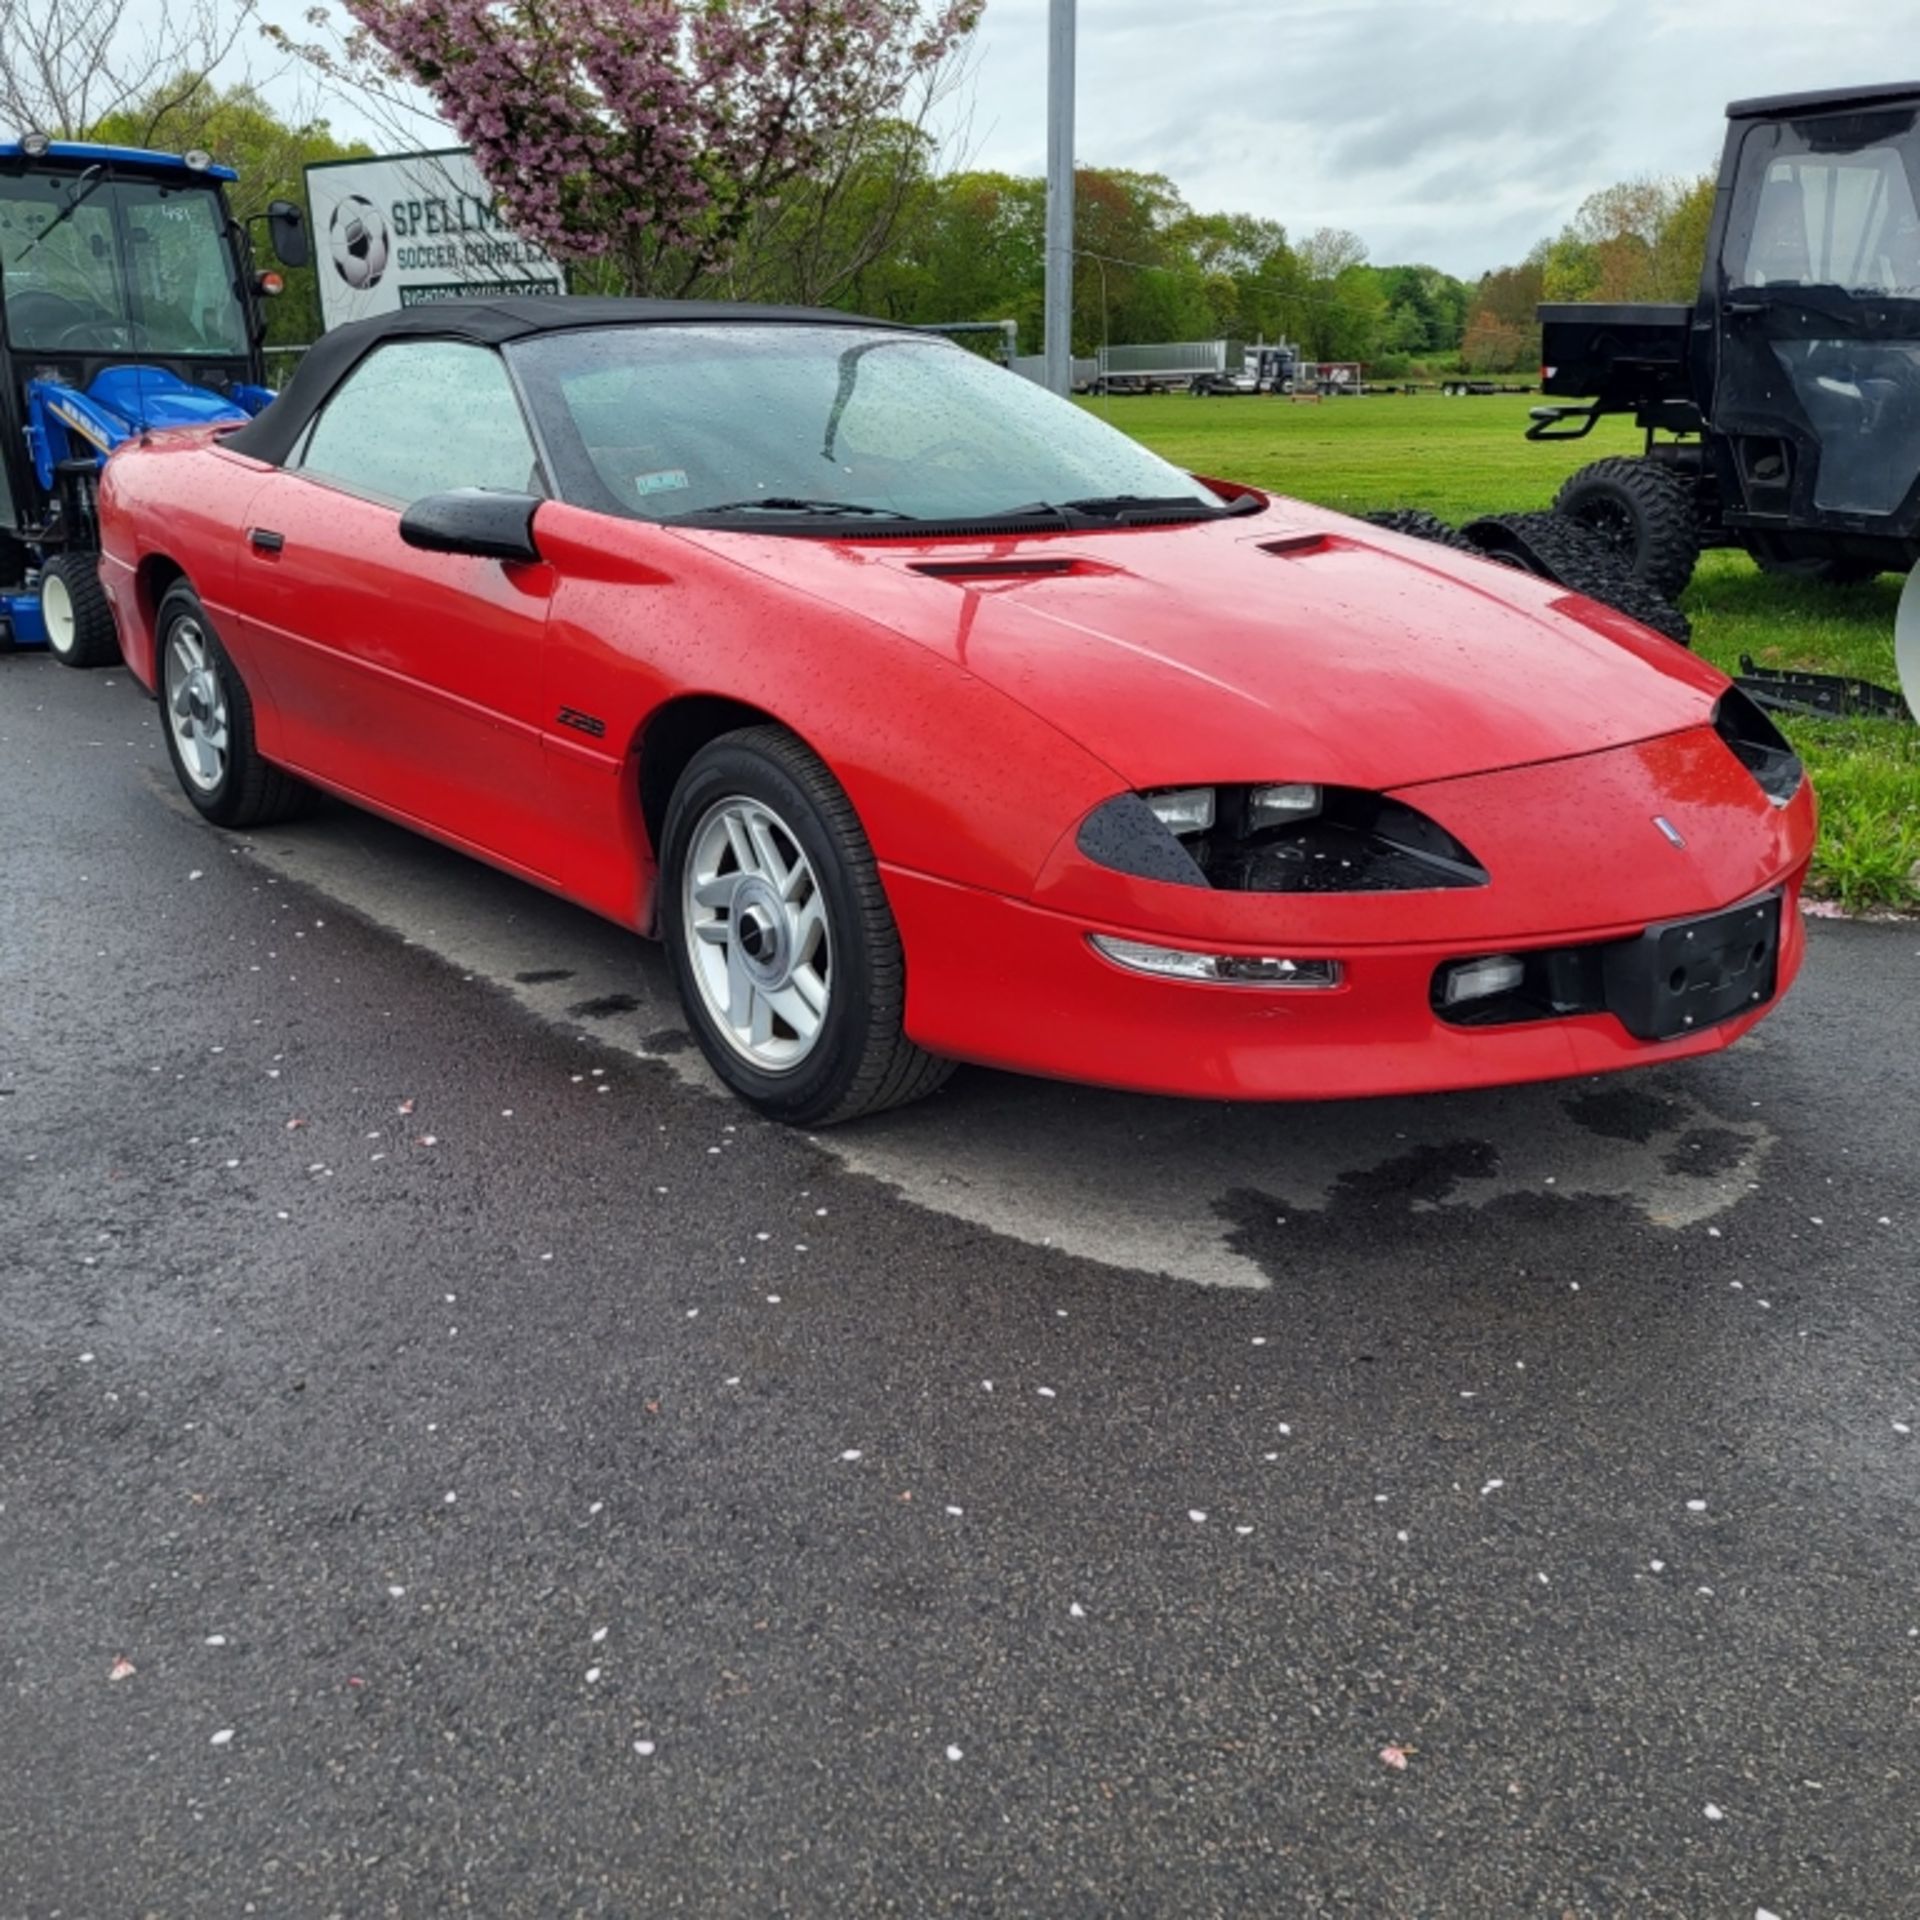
1009 984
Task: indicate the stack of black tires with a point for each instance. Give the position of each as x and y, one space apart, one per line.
1635 564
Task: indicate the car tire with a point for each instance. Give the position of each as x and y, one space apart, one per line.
207 720
76 612
1644 512
786 956
1552 547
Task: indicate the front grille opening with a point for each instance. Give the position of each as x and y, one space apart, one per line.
1554 985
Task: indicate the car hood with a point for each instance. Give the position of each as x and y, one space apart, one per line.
1291 645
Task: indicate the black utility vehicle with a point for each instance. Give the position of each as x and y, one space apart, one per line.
1781 409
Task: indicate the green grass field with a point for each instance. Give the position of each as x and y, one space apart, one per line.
1460 458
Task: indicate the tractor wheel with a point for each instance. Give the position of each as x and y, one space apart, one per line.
1819 569
1552 547
1644 512
80 629
1417 525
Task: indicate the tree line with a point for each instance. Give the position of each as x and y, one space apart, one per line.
1148 266
874 227
1640 240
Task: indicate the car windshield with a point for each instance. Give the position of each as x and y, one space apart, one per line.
90 264
763 419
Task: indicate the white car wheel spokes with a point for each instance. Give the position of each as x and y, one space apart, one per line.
757 934
196 706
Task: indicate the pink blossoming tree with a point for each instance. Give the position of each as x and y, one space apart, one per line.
654 137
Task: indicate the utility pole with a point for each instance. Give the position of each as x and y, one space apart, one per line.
1059 296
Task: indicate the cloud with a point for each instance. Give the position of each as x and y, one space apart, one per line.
1457 136
1448 135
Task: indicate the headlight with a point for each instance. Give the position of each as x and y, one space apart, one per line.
1283 837
1183 810
1281 806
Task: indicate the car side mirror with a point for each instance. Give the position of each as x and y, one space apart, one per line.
489 526
287 229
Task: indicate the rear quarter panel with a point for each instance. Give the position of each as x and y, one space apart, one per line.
173 502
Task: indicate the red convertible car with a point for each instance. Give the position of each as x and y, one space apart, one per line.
926 718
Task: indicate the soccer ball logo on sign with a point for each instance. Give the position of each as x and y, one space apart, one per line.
357 238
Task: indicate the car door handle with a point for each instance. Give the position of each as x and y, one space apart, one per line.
265 540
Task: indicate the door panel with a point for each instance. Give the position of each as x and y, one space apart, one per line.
412 679
1818 387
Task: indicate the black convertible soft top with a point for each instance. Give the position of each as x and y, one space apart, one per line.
271 435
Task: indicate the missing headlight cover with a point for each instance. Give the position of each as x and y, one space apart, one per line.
1759 746
1278 838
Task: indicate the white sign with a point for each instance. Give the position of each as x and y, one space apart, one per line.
413 228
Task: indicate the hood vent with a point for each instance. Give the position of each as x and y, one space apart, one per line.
1290 544
1038 568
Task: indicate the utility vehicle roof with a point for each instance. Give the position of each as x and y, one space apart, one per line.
1778 106
271 435
86 154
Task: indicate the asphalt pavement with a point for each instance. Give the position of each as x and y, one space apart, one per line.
452 1460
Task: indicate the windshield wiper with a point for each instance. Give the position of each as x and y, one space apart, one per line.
789 503
69 206
1118 505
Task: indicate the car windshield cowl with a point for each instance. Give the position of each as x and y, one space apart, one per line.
796 516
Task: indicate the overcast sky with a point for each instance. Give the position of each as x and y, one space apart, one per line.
1452 135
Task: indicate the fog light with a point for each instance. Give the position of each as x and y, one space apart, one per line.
1481 979
1183 809
1276 806
1222 969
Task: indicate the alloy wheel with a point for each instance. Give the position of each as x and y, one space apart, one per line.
196 706
757 934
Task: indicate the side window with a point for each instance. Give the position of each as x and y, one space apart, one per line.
1842 220
421 417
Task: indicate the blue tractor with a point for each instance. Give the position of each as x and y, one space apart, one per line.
129 300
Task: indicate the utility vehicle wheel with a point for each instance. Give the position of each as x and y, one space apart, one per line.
1552 547
1827 570
80 629
1644 512
780 938
209 723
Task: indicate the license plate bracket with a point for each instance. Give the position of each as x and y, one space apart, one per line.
1689 974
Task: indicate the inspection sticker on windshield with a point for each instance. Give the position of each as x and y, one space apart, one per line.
667 480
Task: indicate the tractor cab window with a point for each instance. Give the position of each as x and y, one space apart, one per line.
94 265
